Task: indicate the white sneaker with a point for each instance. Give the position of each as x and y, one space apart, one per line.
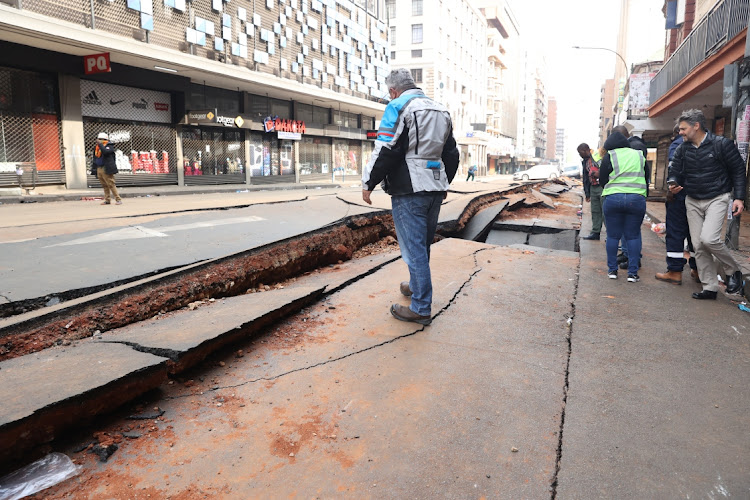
612 275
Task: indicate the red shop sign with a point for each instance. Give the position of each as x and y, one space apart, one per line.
96 63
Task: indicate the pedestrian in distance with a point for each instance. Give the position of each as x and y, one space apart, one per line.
415 158
591 188
472 171
623 173
711 171
104 167
677 230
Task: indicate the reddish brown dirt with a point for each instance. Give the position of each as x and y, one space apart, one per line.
567 208
221 279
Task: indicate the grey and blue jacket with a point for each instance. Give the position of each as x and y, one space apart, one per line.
415 150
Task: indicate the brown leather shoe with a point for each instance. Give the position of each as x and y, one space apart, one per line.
403 313
674 277
694 275
405 290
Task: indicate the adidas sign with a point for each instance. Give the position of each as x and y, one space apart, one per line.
92 99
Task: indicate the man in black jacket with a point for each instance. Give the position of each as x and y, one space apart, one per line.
591 189
104 167
712 172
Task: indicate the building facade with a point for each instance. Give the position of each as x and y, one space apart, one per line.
447 62
551 153
532 111
197 92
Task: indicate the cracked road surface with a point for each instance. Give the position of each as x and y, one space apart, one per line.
342 399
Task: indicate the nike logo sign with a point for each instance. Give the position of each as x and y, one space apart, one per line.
114 103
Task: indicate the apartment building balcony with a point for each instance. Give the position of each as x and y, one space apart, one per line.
718 39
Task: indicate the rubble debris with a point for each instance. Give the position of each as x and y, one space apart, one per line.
104 452
147 415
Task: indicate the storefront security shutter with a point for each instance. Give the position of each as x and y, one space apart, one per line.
213 156
30 129
146 154
315 162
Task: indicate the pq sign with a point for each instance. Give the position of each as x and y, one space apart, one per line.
96 63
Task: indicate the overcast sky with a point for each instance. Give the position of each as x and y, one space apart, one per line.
574 76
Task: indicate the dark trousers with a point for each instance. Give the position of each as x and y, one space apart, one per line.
677 231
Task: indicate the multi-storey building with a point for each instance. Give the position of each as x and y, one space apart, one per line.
192 92
551 153
606 110
532 111
502 84
560 144
447 61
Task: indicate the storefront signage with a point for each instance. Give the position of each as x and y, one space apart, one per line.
227 121
202 116
276 124
96 63
104 100
294 136
372 135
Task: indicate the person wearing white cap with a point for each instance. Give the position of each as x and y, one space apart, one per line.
104 168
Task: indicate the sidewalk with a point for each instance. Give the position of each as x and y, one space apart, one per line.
61 193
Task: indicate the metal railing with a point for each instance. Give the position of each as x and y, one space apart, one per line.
725 20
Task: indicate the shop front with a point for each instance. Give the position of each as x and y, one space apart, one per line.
315 159
347 160
213 156
274 151
30 127
139 125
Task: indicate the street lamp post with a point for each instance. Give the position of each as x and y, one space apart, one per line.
617 116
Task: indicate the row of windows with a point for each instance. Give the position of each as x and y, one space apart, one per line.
416 8
414 53
417 34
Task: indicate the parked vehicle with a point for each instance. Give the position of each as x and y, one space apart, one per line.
572 170
537 172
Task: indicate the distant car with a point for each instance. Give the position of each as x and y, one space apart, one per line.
537 172
572 170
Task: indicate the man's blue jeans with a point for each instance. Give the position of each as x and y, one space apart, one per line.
624 214
415 217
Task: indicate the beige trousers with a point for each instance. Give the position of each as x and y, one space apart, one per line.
706 220
108 183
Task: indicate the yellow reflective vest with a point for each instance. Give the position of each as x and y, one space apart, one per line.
628 172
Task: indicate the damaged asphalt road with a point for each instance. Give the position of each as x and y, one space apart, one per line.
342 399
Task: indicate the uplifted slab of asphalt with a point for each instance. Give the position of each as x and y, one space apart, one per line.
42 393
468 407
659 398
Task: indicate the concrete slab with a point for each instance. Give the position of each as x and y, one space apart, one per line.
390 409
479 225
44 393
505 238
188 337
659 392
546 200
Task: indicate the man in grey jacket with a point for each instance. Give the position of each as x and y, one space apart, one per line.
415 157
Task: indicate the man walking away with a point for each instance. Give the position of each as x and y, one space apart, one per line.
104 168
712 172
415 157
677 230
591 189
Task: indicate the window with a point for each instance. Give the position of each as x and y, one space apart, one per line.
393 55
416 7
393 35
416 53
416 33
390 5
417 75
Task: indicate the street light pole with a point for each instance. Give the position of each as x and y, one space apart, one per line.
617 116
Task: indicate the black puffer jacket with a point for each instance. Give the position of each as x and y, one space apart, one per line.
108 154
703 175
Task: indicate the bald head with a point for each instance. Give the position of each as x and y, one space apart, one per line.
622 129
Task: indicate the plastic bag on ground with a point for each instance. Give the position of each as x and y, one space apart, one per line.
660 228
37 476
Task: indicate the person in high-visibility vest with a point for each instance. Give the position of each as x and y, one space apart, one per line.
624 180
